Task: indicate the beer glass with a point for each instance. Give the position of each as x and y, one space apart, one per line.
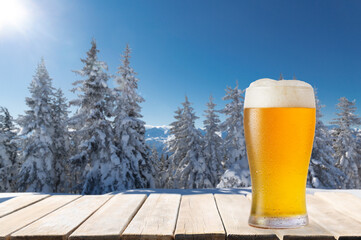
279 124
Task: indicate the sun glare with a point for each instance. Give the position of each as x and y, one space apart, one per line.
12 13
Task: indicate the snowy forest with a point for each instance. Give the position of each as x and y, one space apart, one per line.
101 147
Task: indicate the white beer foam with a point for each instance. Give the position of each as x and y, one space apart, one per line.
267 93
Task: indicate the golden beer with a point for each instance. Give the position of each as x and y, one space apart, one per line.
279 144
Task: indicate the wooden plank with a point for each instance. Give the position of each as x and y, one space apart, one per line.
111 219
311 231
156 219
19 202
199 218
339 224
344 202
234 210
30 214
59 224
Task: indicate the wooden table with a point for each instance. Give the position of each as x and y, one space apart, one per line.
173 215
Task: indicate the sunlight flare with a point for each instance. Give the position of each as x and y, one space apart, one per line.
12 13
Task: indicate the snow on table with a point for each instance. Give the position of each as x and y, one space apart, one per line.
171 214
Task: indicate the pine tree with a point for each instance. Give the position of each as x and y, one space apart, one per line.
281 77
237 173
8 152
75 181
322 172
97 155
213 151
130 129
154 159
164 171
175 148
155 167
37 172
61 142
345 143
358 150
189 169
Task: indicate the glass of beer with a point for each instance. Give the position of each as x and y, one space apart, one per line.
279 124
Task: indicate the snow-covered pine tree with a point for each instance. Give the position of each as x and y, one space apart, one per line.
175 149
8 152
237 173
281 77
188 164
155 167
213 142
76 171
164 171
345 144
322 172
37 172
97 155
61 142
358 150
130 129
154 159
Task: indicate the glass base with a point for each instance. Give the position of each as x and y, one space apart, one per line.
278 222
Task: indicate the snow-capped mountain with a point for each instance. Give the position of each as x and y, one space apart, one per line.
157 136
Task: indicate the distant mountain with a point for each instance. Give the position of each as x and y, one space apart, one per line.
157 136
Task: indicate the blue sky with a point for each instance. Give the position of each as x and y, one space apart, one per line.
192 48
